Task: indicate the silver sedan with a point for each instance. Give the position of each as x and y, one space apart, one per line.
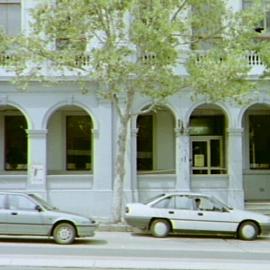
28 214
193 212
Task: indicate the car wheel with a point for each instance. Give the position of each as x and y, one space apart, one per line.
248 231
160 228
64 233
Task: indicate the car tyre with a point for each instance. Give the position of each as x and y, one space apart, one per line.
248 230
160 228
64 233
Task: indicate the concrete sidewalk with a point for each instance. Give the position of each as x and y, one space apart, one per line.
124 263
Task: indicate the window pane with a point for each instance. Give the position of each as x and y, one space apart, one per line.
10 17
2 201
168 202
259 132
199 150
15 143
79 142
17 202
144 142
183 202
215 153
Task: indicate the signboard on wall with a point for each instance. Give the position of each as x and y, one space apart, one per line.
37 174
199 160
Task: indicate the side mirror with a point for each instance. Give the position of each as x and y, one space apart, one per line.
38 208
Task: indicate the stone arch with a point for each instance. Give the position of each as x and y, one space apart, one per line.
23 111
62 104
247 107
220 106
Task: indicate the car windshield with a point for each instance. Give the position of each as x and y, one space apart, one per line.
219 203
42 202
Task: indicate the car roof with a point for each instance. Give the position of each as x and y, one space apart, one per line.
187 193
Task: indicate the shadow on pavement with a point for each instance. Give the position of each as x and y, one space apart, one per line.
48 241
198 236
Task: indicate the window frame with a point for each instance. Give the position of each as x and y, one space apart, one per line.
208 168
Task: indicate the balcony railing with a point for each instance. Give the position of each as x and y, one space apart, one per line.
79 60
253 59
6 60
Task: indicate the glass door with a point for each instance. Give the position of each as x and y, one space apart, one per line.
207 155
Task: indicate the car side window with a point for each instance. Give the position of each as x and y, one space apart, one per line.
2 201
207 205
17 202
167 202
183 202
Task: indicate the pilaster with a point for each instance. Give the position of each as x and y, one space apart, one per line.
235 168
37 160
182 159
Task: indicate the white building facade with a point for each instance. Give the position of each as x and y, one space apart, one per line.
60 143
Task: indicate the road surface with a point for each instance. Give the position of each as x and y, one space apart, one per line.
112 250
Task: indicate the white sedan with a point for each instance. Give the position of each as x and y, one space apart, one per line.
193 212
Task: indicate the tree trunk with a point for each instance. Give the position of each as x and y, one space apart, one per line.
118 185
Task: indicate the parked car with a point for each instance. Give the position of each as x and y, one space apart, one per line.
193 212
28 214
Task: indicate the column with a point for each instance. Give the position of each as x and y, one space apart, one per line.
235 168
103 149
182 159
37 160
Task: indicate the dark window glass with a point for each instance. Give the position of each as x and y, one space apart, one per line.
15 143
259 136
215 153
144 143
207 125
79 142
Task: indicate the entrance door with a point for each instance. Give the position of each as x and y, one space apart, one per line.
207 155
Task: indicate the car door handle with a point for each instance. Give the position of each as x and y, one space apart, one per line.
14 213
200 214
171 212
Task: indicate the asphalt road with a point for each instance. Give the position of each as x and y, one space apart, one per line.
106 249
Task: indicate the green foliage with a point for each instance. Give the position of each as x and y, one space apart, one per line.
134 46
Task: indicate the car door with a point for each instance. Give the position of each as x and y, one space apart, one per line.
3 214
211 215
24 217
178 209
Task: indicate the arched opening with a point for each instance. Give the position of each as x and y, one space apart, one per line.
156 142
207 129
256 163
70 141
13 126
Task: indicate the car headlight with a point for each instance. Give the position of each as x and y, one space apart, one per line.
127 210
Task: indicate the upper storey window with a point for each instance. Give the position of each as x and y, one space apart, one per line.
10 16
264 25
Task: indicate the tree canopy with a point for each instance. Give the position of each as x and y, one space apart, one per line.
140 44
